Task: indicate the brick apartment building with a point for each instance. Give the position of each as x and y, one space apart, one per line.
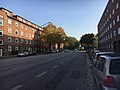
109 27
17 34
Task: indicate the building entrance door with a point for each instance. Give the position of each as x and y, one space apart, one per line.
0 52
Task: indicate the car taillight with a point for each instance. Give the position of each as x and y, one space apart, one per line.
109 81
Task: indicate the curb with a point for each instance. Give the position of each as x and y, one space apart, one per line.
91 81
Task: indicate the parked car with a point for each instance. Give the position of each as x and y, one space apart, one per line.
32 53
96 56
23 54
107 72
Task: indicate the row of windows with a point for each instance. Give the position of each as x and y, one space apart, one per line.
103 31
17 41
22 40
111 35
22 26
17 33
25 34
17 48
104 22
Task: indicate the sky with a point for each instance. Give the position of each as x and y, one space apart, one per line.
76 17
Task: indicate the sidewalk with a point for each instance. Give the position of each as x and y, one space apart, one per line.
5 57
91 82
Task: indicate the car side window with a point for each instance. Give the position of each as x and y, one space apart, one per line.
101 64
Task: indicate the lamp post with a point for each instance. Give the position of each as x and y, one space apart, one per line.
38 36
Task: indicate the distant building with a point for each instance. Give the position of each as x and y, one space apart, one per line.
109 27
17 34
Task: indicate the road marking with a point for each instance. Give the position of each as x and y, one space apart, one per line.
39 75
61 62
17 87
55 66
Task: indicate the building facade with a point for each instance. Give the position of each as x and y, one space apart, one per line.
109 27
18 34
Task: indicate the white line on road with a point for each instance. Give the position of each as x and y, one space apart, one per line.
17 87
55 66
61 62
39 75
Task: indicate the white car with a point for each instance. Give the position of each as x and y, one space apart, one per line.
23 54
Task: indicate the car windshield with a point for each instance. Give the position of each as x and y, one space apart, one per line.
115 66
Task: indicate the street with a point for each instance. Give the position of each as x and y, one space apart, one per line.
59 71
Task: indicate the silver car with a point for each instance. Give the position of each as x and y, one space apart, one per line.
107 72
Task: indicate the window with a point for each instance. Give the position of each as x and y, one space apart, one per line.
1 17
9 39
9 21
26 34
1 42
115 67
16 31
1 22
9 48
29 41
111 45
113 11
117 6
9 30
26 41
21 26
16 48
16 40
107 19
114 33
20 19
22 34
22 40
110 16
1 32
110 25
118 18
111 35
119 30
24 21
25 27
112 1
29 35
113 22
101 64
32 36
16 24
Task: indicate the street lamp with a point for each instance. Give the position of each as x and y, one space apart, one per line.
38 36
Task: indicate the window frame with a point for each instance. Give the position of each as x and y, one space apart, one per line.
9 21
2 42
16 32
1 32
16 48
10 38
1 20
17 39
9 30
9 48
101 64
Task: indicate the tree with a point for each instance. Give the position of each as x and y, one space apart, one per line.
88 41
53 35
71 43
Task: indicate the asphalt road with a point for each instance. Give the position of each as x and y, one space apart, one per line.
60 71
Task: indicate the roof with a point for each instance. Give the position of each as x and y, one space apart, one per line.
5 9
114 55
